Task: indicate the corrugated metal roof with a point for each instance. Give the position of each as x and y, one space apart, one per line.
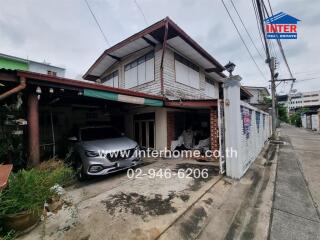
177 39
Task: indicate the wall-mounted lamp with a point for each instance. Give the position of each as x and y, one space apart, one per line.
230 66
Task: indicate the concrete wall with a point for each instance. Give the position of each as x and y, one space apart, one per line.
246 129
253 138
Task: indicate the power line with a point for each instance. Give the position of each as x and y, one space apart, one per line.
140 10
245 28
282 52
258 24
96 20
279 41
234 24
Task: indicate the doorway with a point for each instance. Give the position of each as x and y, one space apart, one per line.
144 130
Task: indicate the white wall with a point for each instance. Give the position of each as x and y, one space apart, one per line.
43 68
258 133
315 122
248 141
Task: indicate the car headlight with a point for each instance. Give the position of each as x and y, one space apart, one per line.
91 153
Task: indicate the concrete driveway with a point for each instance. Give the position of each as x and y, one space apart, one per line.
116 207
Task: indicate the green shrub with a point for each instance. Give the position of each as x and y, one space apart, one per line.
29 189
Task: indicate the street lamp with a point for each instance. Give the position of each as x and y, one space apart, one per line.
230 67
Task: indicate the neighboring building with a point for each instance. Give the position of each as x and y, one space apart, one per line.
258 94
301 100
283 100
15 63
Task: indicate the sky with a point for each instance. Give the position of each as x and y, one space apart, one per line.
63 33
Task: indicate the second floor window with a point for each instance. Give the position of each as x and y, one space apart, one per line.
52 73
211 90
111 80
139 71
187 73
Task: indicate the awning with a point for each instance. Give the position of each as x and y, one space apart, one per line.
122 98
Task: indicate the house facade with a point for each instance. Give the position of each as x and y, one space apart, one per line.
163 60
154 86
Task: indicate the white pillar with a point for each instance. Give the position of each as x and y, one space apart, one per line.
233 125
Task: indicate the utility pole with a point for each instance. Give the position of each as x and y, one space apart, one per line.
273 94
272 64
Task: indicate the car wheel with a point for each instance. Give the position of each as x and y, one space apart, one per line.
81 176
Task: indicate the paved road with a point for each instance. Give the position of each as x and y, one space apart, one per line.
297 190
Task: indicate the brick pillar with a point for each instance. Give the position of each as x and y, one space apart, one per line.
33 130
170 128
214 134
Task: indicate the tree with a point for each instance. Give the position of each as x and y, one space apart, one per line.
283 113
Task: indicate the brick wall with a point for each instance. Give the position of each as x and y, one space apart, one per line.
214 136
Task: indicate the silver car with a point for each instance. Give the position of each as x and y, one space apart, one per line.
103 150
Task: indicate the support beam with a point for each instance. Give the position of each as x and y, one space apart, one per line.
149 41
164 46
33 131
114 57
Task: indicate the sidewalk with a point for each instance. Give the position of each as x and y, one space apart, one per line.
294 213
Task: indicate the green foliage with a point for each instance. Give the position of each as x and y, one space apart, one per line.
7 235
11 146
29 189
267 100
295 118
283 113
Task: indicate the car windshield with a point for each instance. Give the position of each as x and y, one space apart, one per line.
90 134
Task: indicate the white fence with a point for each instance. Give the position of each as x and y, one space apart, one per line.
246 129
310 122
256 126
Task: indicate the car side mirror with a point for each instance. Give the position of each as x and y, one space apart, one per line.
73 139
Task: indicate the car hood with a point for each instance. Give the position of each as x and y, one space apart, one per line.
110 144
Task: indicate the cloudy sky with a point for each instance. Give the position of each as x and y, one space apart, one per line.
63 33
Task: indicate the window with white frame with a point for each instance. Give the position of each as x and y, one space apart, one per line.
187 73
211 90
139 71
111 80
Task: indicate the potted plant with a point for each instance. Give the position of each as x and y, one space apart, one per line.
21 203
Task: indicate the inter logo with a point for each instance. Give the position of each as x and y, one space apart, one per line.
281 26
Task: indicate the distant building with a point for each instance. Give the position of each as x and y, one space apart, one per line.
258 94
300 100
16 63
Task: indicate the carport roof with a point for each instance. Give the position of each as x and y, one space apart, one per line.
151 36
81 84
94 88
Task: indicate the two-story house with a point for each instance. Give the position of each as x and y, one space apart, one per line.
163 60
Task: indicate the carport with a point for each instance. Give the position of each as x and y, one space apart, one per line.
55 107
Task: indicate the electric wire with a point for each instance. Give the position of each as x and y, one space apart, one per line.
244 43
140 10
245 28
97 22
